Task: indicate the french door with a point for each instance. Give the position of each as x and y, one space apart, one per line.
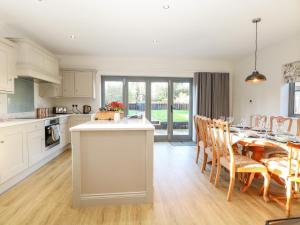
166 102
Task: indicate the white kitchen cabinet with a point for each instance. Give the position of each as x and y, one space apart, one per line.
84 83
13 153
79 119
50 90
7 66
64 131
68 82
35 61
79 83
36 144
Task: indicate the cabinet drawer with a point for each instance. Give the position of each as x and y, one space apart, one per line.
35 126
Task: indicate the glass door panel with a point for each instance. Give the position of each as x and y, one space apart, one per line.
136 98
113 91
159 107
180 109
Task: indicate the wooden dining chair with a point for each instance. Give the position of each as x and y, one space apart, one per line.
283 121
209 151
259 121
287 168
234 162
199 135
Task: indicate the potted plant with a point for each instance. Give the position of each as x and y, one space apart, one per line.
112 110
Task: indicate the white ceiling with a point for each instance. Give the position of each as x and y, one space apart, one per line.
127 28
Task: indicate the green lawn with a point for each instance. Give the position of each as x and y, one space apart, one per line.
161 115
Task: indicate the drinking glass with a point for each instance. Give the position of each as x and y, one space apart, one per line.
230 119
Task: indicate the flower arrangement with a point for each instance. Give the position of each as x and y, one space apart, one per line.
114 106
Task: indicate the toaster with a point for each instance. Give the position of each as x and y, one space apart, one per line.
59 110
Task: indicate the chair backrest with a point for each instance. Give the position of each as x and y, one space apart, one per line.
283 124
293 159
196 119
259 121
222 140
298 127
207 131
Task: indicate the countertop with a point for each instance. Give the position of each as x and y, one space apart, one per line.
123 124
16 121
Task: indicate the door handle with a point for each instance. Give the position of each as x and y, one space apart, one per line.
171 107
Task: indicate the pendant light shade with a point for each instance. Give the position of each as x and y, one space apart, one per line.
255 77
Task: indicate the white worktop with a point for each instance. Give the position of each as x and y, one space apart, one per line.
123 124
15 122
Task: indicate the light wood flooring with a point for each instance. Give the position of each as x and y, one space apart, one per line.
183 195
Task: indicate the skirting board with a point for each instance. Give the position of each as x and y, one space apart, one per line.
21 176
115 198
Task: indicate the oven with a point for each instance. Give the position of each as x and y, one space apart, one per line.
52 133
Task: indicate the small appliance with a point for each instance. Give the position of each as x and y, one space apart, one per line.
59 110
86 109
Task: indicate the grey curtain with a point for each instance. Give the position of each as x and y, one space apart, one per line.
212 94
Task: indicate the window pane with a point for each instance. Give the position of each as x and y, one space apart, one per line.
136 97
297 98
181 105
113 91
159 107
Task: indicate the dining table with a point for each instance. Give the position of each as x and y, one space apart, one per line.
254 142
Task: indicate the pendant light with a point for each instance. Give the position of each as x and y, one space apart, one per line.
255 77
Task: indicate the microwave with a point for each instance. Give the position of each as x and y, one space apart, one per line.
59 110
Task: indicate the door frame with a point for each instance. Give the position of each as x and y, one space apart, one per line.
148 81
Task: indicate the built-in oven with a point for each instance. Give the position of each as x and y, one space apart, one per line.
52 133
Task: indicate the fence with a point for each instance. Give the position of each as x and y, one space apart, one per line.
158 106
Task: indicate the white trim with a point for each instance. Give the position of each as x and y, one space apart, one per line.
113 198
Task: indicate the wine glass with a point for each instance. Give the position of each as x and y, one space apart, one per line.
243 123
223 118
230 119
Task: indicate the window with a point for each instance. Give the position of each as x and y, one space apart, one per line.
113 91
294 99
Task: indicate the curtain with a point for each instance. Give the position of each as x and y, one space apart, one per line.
291 72
212 94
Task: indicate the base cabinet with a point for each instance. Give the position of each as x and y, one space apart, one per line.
13 154
36 146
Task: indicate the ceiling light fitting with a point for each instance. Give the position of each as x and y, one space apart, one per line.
255 77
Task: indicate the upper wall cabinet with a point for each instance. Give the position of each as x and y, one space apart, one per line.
36 62
7 66
78 83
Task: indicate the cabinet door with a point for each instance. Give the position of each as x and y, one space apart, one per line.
68 83
64 131
7 67
13 155
84 84
36 146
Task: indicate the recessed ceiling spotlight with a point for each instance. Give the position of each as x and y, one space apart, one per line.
155 42
72 36
166 6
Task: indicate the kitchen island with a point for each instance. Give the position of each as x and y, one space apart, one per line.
112 162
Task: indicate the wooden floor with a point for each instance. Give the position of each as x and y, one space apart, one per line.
182 196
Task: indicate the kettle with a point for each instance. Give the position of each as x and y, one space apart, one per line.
86 109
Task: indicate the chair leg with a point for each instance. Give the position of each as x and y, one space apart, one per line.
249 182
231 185
198 153
212 171
217 180
288 198
266 186
204 162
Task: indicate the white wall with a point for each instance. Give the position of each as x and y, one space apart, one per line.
270 97
137 67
